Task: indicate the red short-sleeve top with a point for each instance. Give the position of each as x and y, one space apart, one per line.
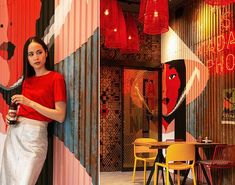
45 90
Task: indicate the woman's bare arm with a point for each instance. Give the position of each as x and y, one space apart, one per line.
57 114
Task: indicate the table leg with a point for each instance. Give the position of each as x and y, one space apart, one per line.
185 177
158 171
153 168
205 175
159 158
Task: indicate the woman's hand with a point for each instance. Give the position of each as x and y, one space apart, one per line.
21 99
8 119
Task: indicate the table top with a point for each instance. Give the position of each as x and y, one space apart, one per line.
165 144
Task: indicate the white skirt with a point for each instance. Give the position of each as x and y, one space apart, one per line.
24 152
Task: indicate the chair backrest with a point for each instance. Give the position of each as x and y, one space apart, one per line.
140 149
224 152
180 152
219 152
229 153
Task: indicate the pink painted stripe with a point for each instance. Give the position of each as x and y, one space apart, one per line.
79 25
67 169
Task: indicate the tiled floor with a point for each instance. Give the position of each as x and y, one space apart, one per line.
124 178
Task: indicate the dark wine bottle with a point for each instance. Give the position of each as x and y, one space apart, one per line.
12 113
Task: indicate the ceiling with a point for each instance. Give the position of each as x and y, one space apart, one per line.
133 5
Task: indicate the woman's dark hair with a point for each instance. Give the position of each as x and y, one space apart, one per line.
28 69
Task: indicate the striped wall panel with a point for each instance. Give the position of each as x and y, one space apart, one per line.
79 132
77 58
203 37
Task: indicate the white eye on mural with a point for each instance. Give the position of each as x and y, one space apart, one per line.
172 76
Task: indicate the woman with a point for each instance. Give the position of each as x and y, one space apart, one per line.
43 99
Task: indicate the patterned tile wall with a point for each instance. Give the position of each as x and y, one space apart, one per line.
110 119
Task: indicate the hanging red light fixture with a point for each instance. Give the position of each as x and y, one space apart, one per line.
156 18
132 36
108 14
219 2
142 10
115 37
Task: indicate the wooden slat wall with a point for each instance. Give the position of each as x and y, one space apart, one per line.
208 120
77 58
196 24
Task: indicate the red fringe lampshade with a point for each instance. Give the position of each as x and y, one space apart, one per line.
108 14
115 37
219 2
142 10
132 35
156 17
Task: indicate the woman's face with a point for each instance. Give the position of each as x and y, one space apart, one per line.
170 89
36 56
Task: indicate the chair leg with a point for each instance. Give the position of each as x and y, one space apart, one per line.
174 175
134 169
197 170
178 177
194 176
163 182
167 177
155 174
145 171
220 175
210 176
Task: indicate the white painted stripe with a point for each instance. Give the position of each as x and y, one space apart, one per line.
61 12
174 48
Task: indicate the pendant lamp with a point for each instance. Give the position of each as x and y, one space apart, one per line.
142 10
115 37
156 18
132 36
108 14
219 2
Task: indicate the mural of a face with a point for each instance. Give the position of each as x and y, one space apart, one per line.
170 89
17 23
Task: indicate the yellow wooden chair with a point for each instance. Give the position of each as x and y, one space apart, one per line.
143 153
178 157
174 140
